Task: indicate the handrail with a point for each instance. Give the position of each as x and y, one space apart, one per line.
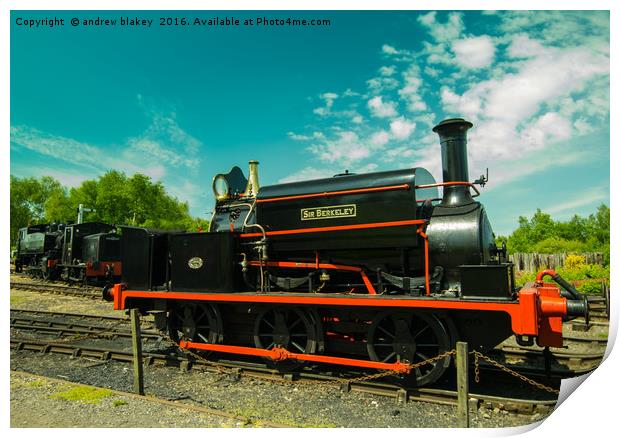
451 183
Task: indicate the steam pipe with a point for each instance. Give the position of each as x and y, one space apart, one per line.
574 294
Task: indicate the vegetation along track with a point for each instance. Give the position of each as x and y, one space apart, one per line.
80 328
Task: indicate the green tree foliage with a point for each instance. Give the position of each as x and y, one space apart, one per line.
542 234
28 198
117 199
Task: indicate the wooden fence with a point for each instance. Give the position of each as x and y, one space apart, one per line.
536 262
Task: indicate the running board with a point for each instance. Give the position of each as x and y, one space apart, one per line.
279 354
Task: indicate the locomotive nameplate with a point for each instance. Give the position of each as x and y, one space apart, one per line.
328 212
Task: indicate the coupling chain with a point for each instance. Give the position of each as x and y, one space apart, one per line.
343 381
493 362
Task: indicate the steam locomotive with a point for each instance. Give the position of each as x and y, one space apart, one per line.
372 271
87 252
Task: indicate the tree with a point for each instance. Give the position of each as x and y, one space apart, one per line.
544 235
116 198
28 198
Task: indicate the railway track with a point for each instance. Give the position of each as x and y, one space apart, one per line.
533 360
109 327
83 292
49 324
262 372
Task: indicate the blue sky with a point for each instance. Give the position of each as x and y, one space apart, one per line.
181 104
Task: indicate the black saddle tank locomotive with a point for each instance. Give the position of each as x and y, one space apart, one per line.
374 271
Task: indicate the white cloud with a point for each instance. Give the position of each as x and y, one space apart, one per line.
410 92
389 50
346 148
297 137
165 131
401 128
379 138
549 128
387 71
522 46
560 28
443 32
475 52
328 103
350 93
398 153
518 96
329 99
301 137
155 151
149 153
437 53
381 109
525 90
65 149
382 83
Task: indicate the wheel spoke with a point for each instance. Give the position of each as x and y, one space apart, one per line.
391 355
203 312
294 324
428 345
386 332
424 357
420 332
299 347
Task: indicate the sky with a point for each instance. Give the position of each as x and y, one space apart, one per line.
183 103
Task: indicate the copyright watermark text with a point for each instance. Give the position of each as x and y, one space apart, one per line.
172 21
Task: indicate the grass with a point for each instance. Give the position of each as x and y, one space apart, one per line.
17 300
117 403
84 394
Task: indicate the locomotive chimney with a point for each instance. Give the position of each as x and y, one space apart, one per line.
453 138
253 186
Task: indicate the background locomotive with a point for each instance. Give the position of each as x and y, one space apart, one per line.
373 271
87 252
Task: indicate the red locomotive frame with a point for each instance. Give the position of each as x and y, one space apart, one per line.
537 312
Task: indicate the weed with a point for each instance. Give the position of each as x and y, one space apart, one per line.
84 394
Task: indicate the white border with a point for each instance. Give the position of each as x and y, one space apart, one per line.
590 409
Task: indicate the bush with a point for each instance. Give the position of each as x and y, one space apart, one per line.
587 278
574 261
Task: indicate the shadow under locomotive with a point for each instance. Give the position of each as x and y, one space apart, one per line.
372 271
